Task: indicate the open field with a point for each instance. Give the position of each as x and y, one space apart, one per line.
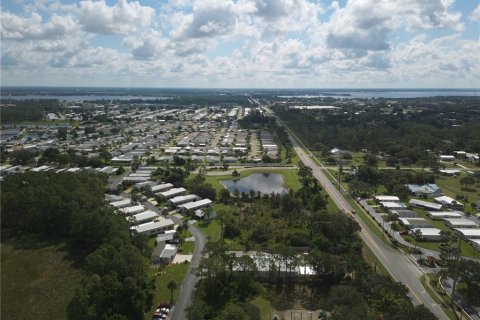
38 279
451 187
289 175
163 276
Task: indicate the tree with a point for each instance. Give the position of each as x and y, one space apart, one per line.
62 133
467 181
172 286
370 160
418 235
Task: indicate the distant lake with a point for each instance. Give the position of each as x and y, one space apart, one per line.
81 98
266 183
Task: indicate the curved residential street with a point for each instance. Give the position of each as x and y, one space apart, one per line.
188 285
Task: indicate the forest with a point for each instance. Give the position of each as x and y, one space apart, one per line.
28 110
401 133
70 208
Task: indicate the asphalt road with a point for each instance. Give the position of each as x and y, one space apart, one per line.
403 268
188 285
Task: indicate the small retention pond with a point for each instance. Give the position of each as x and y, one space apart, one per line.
266 183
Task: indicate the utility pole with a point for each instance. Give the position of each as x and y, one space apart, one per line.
455 279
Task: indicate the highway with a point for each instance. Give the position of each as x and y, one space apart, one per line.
403 268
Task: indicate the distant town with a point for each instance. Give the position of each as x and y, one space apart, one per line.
246 202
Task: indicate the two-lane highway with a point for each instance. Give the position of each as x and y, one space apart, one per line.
402 267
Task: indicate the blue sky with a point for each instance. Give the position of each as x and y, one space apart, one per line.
241 43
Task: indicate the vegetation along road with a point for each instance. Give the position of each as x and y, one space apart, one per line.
400 266
191 278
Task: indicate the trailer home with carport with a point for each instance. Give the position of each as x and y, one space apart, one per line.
192 206
142 217
425 205
154 228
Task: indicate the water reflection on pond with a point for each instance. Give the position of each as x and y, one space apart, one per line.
265 183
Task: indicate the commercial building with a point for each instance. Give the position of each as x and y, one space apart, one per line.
430 190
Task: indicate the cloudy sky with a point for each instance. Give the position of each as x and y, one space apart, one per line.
241 43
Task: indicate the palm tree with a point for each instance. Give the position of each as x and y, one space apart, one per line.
172 285
418 234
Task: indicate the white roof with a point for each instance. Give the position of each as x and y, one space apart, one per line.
387 198
429 231
426 204
393 204
161 187
121 203
169 251
167 235
172 192
469 231
133 209
146 215
196 204
461 222
144 227
446 200
183 198
449 214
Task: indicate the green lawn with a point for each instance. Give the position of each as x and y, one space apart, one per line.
38 279
451 187
289 175
211 230
187 247
467 249
264 306
439 299
163 276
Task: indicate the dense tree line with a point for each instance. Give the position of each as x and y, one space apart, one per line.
28 110
70 207
404 136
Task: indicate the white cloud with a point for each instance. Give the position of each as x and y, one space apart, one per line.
209 19
23 28
475 15
122 18
366 24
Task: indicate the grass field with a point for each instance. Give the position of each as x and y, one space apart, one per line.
437 297
162 293
289 175
38 279
211 230
451 187
187 247
264 306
